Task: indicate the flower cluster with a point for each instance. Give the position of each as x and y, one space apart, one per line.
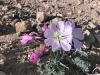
62 36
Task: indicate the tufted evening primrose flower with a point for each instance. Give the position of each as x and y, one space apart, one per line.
77 35
59 36
35 57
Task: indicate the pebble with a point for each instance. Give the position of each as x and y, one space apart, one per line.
5 17
60 15
89 36
86 44
23 26
91 25
2 59
89 39
19 6
41 16
80 2
5 8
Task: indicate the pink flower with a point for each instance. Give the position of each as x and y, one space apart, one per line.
35 57
44 27
27 38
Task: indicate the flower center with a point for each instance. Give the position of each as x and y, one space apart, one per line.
58 37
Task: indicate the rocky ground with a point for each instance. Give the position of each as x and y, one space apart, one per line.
14 57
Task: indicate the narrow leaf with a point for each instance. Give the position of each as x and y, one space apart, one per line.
83 53
43 60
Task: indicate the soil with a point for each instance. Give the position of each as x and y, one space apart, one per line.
17 56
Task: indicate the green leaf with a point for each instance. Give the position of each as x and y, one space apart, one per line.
81 64
83 53
43 60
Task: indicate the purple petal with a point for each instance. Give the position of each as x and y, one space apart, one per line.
68 23
68 38
65 45
49 41
73 25
77 33
77 44
61 25
24 42
53 27
48 33
55 46
68 29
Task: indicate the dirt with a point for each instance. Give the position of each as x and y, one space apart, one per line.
17 55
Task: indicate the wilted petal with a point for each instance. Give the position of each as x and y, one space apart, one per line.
65 46
27 38
49 41
77 33
68 29
61 25
77 44
53 27
24 42
55 46
48 33
35 57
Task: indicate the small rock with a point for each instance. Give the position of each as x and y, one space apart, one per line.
89 39
80 2
41 16
55 21
87 1
5 17
91 25
19 6
5 8
86 44
46 7
2 73
80 11
23 26
89 36
2 59
13 22
69 13
94 12
60 15
97 37
93 52
54 14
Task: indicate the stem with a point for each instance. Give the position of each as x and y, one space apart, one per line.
64 65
